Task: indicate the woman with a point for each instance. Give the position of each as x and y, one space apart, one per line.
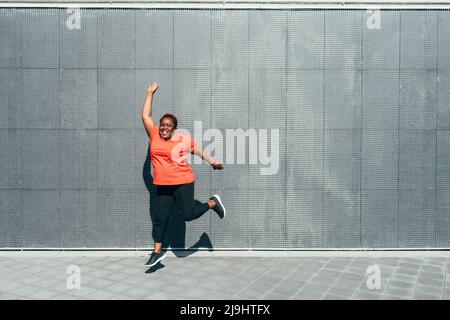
172 174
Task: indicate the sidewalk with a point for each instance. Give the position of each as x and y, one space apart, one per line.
226 275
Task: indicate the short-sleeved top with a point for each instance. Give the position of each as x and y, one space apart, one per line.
169 158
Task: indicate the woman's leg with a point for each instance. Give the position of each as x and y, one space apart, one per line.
164 202
190 210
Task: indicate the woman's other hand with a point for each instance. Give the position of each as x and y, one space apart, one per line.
217 166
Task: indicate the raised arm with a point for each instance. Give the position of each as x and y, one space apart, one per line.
146 112
204 155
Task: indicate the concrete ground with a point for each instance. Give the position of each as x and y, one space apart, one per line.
226 275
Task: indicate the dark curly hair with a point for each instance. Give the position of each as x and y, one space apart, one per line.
171 117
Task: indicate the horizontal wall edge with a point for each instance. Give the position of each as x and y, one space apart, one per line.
217 4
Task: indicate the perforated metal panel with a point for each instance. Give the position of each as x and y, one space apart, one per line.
362 118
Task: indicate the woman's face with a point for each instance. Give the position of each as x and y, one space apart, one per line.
166 128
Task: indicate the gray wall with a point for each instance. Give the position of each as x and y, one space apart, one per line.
363 117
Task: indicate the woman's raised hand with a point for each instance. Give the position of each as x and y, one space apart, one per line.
152 88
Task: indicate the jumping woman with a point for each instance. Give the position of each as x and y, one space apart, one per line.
172 175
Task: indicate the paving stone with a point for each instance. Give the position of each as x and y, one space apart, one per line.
118 288
402 284
9 296
432 275
208 286
308 294
364 295
47 283
411 260
100 283
269 262
313 264
4 262
414 266
99 273
365 286
351 284
293 283
257 271
53 273
389 297
214 295
122 297
136 292
437 261
433 269
300 276
323 280
386 270
133 280
355 270
352 276
8 286
158 296
342 261
333 297
275 296
80 293
329 274
248 277
285 290
334 267
234 286
30 280
405 293
21 266
428 289
419 295
168 278
271 279
390 261
315 287
307 269
407 271
249 294
405 278
294 263
173 289
99 295
42 295
430 282
37 269
116 267
24 291
341 291
62 297
360 266
262 286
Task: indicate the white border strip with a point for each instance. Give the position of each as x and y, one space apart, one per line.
217 4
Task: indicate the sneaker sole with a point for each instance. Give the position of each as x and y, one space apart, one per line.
154 263
221 204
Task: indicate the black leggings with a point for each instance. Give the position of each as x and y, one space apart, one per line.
166 196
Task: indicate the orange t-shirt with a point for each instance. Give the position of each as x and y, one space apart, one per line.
169 158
